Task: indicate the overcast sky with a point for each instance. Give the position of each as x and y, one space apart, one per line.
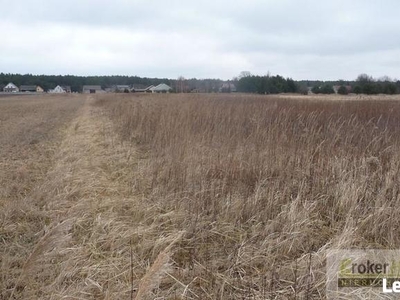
325 40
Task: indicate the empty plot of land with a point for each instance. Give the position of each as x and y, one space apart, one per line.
262 186
191 196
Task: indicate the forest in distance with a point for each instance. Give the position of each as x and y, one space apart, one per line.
245 82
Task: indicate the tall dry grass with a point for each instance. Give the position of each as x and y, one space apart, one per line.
262 186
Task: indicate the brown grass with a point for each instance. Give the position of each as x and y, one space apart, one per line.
263 185
191 196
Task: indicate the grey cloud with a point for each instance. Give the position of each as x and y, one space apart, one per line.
301 39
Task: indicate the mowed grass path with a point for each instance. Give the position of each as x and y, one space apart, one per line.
31 129
63 225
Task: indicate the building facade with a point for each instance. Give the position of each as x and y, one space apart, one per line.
11 88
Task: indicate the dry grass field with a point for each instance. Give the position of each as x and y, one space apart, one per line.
191 196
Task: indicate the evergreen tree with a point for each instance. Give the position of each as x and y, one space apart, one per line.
342 90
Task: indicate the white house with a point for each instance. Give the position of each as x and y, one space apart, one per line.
161 88
11 88
58 90
61 89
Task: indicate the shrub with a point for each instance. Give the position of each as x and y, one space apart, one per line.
357 89
342 90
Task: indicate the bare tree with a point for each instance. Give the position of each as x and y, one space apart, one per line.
244 74
180 84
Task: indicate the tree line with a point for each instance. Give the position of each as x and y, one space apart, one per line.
364 84
244 83
76 83
247 83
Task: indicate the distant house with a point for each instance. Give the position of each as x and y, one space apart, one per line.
57 90
92 89
27 88
161 88
227 87
141 88
60 90
149 89
11 88
138 87
31 88
120 88
66 88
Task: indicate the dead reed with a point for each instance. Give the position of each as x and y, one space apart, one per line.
262 186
